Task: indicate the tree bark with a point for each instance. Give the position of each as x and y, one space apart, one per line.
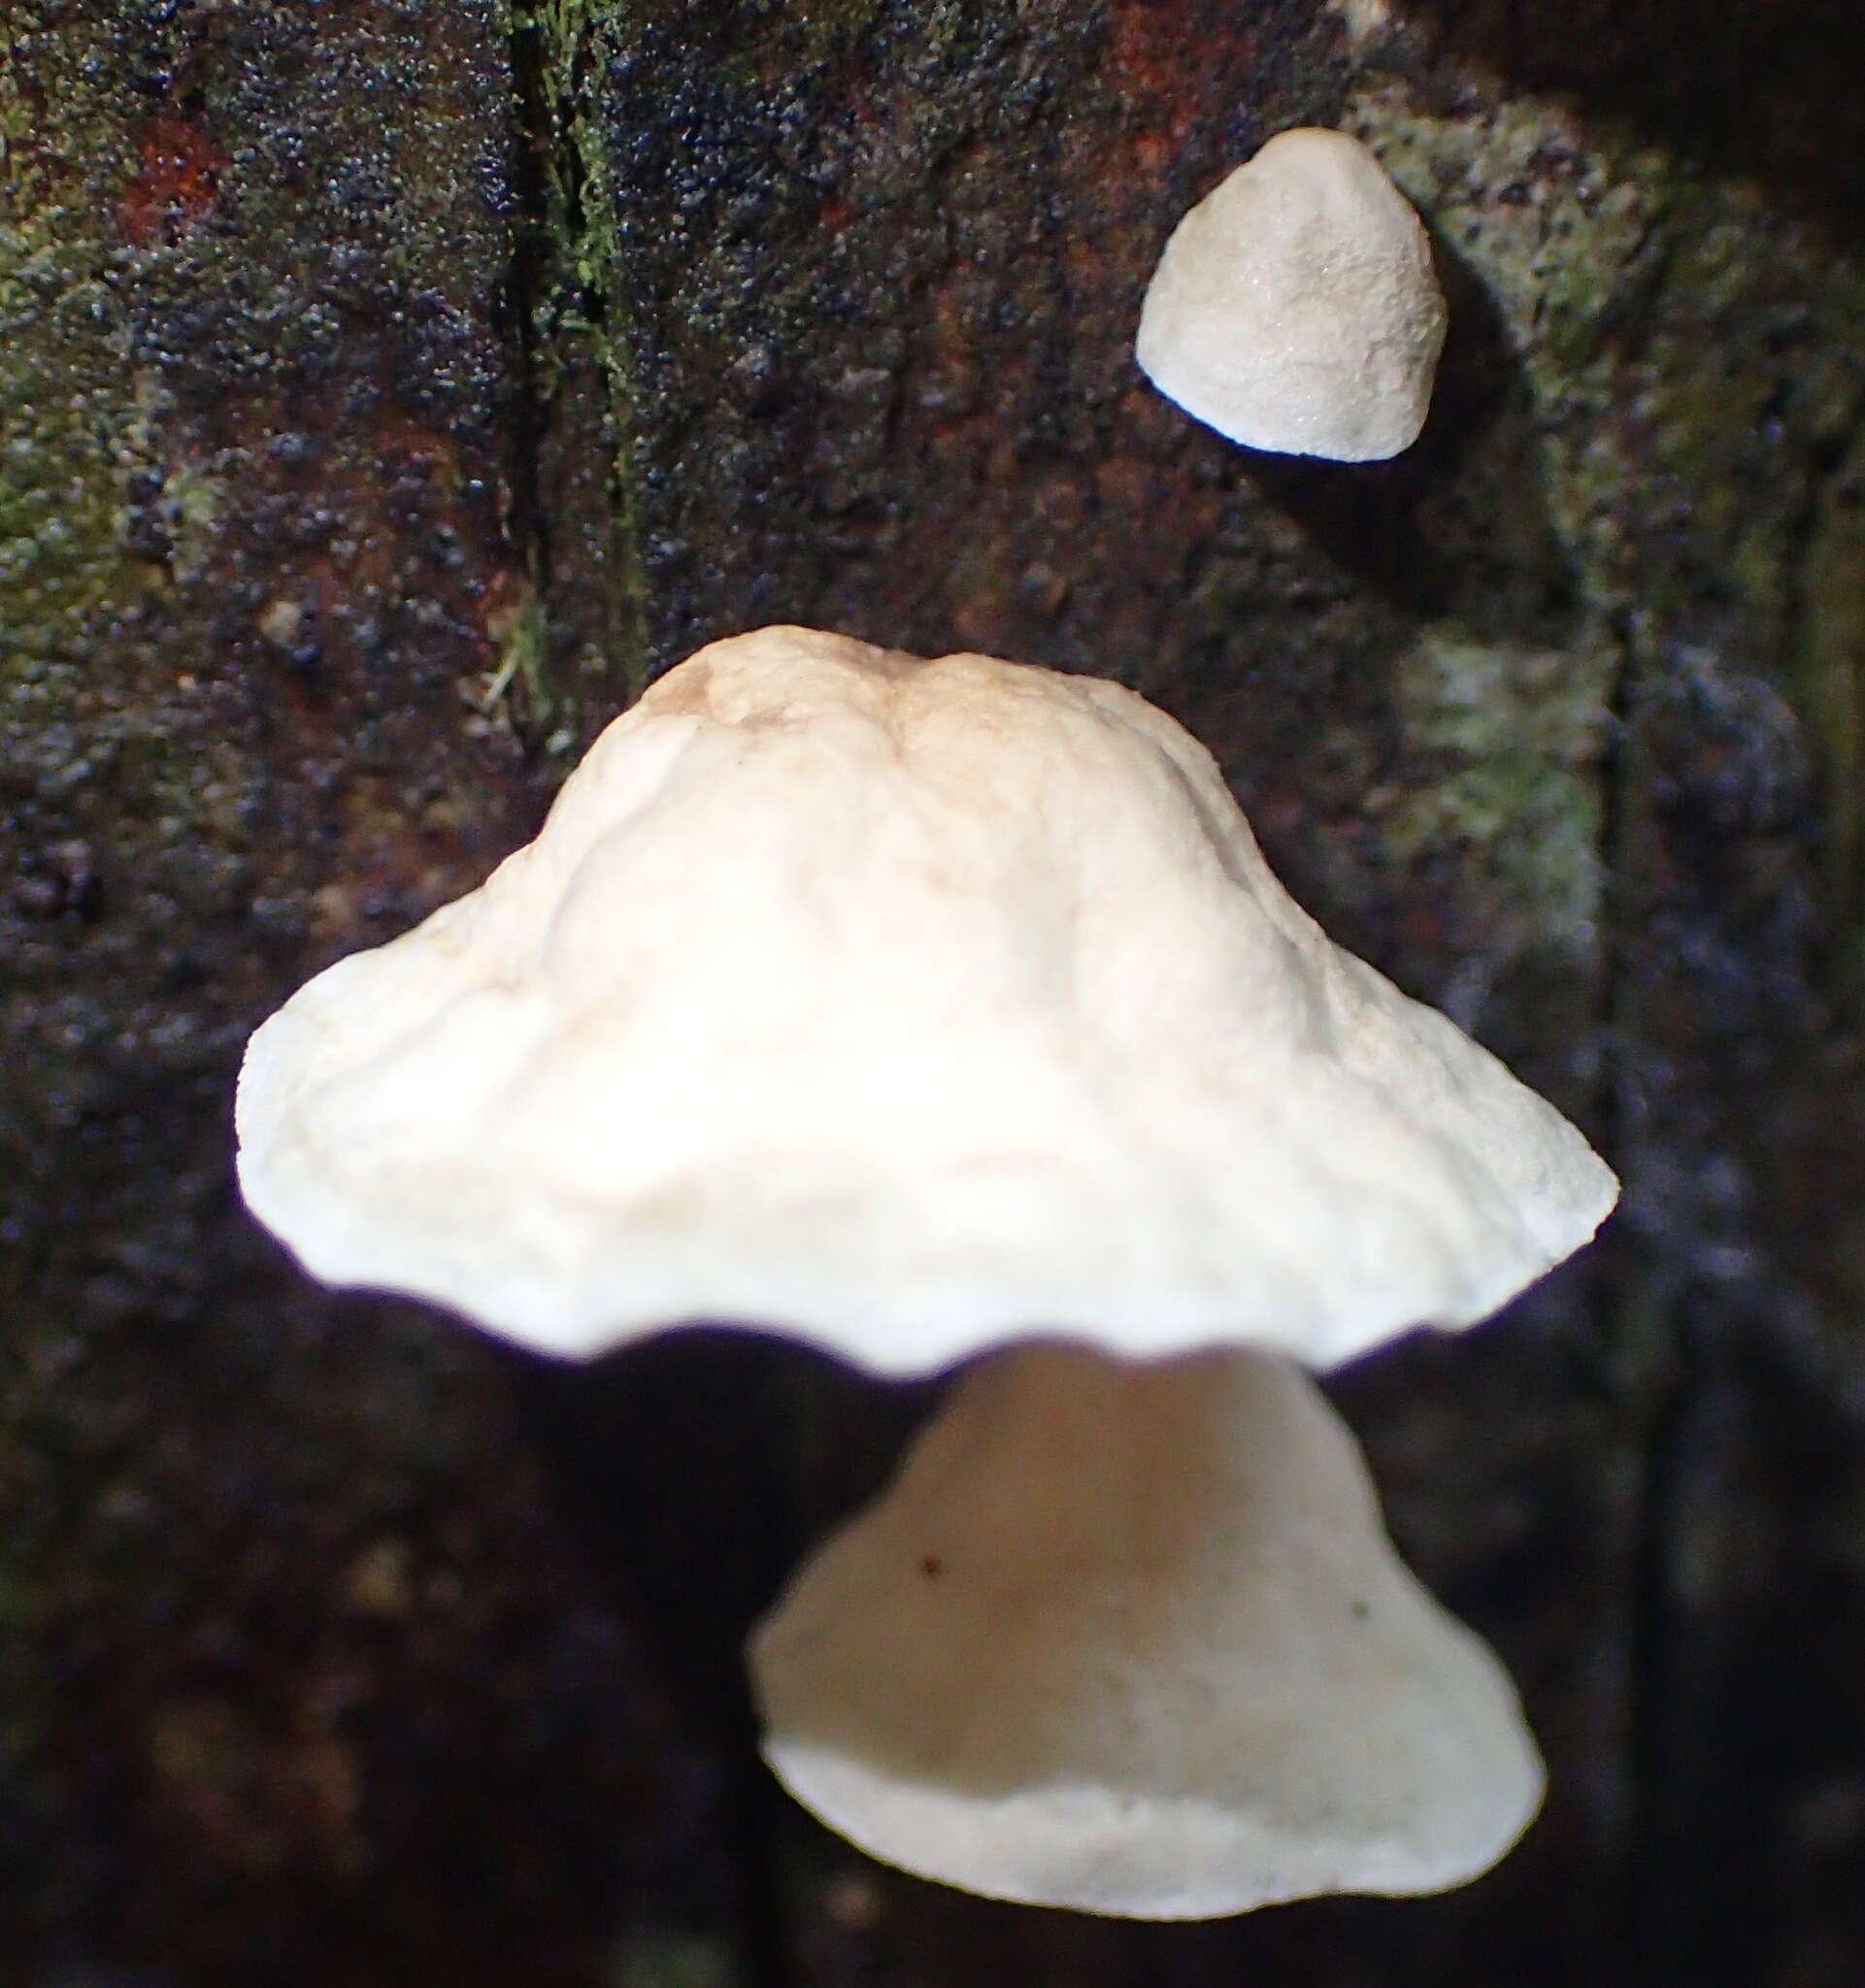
387 392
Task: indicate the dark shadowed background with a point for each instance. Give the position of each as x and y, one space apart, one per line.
387 389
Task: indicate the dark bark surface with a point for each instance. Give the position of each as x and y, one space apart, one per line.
386 392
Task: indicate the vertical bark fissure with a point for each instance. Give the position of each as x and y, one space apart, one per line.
1644 1349
568 309
1832 699
521 297
1654 1912
568 316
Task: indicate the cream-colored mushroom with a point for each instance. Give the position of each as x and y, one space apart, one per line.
905 1007
1296 308
908 1008
1132 1640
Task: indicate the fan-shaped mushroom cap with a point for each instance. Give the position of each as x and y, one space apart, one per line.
1132 1640
903 1006
1295 308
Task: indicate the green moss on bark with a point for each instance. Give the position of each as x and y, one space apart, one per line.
69 422
1508 741
576 326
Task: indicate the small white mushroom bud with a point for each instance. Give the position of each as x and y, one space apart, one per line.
1295 308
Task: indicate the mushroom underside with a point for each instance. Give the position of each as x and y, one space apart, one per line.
1132 1640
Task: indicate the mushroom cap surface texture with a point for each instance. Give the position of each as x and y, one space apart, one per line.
1296 308
1133 1640
905 1007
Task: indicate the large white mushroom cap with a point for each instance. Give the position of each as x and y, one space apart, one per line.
1296 308
1132 1640
905 1007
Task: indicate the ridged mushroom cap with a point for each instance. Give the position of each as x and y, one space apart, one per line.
904 1007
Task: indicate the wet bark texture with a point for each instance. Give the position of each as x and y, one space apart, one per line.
386 391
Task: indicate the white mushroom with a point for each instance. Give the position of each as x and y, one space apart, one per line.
1132 1640
905 1007
909 1006
1295 308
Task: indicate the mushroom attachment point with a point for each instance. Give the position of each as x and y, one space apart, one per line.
1133 1640
903 1007
1296 308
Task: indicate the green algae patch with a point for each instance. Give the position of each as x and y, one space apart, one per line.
1562 227
576 331
69 424
1552 213
1685 360
1511 739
